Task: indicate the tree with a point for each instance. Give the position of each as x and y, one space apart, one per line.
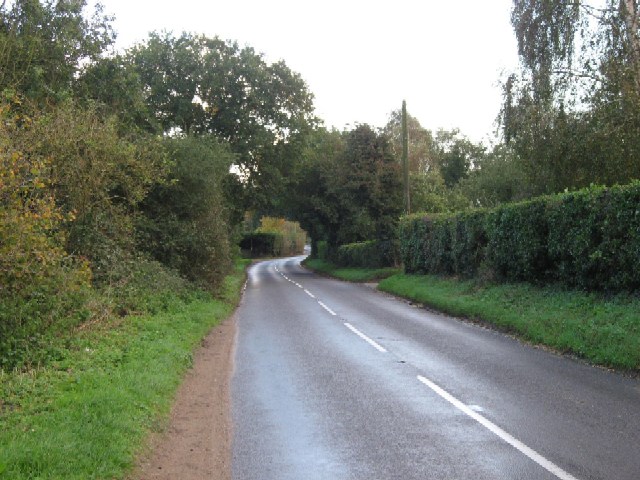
456 155
114 86
572 115
97 176
185 223
313 195
348 187
498 179
200 85
421 143
43 43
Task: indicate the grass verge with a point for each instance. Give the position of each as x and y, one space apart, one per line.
87 414
602 331
349 274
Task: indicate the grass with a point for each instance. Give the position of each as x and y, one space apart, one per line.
604 331
87 414
349 274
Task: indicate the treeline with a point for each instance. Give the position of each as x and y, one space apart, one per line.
570 119
124 178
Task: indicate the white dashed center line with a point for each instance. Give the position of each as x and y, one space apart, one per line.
371 342
492 427
327 308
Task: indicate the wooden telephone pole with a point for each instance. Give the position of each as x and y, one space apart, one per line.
405 159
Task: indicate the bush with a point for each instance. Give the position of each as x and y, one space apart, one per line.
260 244
594 238
185 223
321 250
41 285
370 254
588 239
517 240
290 238
468 242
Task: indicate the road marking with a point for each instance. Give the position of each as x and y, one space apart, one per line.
492 427
371 342
309 293
326 308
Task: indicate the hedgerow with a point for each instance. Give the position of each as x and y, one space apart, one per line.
588 239
370 254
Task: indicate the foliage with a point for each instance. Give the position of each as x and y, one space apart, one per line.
260 244
185 221
370 254
313 197
274 236
87 413
571 115
422 158
199 85
602 330
97 176
456 155
517 240
350 274
348 187
42 44
498 179
588 239
290 238
594 238
40 283
113 86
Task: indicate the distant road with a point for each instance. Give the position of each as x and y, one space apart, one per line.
337 381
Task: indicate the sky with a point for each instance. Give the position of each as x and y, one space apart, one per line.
361 58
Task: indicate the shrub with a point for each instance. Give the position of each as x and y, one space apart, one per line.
468 242
185 223
517 240
321 250
259 244
41 285
588 239
594 238
370 254
290 238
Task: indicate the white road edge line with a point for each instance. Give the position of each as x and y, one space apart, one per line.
492 427
327 308
371 342
309 293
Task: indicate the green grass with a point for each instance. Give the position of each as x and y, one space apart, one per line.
87 414
601 330
349 274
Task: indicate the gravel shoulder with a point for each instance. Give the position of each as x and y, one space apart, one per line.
196 444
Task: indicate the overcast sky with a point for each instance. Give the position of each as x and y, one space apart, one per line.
361 58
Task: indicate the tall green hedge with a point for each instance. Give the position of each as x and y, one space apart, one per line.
370 254
586 239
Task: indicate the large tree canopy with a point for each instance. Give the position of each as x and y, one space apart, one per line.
42 44
200 85
572 114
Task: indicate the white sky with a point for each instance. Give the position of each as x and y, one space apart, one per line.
361 58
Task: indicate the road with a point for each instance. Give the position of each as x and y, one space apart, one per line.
338 381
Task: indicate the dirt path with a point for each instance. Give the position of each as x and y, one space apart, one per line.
197 442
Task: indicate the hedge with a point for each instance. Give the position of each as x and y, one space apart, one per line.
261 244
588 239
369 254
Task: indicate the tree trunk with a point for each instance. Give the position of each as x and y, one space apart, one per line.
629 15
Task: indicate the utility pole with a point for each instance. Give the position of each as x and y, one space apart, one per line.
405 159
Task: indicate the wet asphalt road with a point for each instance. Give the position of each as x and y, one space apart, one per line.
337 381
